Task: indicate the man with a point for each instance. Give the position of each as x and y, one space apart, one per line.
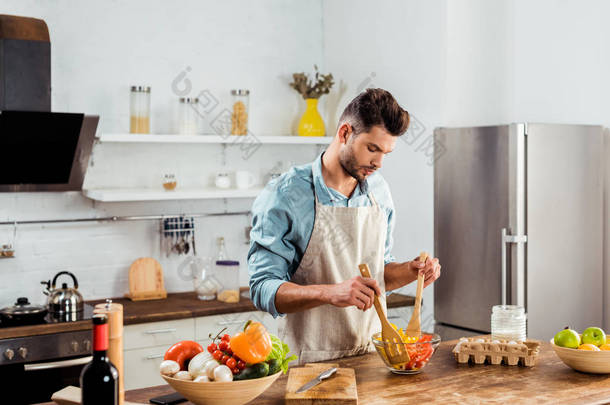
315 224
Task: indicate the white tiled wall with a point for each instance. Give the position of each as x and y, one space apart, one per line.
99 49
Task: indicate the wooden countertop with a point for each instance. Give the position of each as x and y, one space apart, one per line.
175 306
445 381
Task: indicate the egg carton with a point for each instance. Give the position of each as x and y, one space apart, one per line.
496 351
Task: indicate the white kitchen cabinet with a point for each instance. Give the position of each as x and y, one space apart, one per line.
157 333
141 367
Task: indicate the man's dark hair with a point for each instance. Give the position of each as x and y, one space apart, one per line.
376 107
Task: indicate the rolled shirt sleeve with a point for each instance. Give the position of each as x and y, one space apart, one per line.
272 253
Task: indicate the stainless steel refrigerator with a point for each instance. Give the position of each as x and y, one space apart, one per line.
518 219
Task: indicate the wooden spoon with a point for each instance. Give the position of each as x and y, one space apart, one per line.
414 327
394 349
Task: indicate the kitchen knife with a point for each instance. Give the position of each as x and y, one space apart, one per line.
323 375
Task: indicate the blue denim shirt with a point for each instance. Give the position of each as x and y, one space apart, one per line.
282 223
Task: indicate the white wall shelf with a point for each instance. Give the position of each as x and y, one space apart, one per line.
169 138
143 194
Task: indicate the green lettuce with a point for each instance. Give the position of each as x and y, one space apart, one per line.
280 352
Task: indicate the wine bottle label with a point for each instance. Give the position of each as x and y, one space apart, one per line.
100 337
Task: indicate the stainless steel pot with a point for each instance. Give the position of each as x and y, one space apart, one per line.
63 300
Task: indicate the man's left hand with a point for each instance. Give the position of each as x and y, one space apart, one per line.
431 269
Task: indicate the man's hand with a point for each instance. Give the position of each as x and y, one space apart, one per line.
357 291
431 269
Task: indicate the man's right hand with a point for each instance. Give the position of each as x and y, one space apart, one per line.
357 291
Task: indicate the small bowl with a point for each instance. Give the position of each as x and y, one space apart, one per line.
584 360
222 392
420 353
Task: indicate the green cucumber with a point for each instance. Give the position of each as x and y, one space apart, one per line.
274 366
257 370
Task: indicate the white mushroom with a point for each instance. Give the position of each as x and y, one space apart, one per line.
196 364
169 367
223 373
201 378
183 375
208 368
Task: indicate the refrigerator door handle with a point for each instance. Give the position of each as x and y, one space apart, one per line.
506 238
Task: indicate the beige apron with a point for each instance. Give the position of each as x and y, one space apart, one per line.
342 238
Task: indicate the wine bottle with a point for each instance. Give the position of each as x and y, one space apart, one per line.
99 379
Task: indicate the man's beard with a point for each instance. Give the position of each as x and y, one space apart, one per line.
348 162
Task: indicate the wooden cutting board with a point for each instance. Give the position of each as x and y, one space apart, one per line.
146 280
338 389
71 396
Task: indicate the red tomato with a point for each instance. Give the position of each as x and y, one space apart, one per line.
217 355
231 363
236 370
212 347
183 352
223 345
229 351
224 359
226 337
241 364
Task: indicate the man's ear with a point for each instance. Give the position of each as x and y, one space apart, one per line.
344 132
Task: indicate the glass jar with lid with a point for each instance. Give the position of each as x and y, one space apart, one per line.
227 273
139 105
188 116
508 322
239 111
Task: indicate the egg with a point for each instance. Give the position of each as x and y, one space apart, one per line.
169 367
223 373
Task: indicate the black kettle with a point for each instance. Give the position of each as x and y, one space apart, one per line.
63 300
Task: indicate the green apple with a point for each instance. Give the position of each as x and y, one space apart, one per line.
594 335
567 338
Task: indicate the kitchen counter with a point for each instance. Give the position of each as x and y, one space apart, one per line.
445 381
175 306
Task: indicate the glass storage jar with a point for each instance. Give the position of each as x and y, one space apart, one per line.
188 119
508 322
201 272
139 122
227 273
169 182
239 111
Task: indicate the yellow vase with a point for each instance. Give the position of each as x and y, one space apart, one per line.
311 123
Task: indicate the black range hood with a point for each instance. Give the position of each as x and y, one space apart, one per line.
44 151
40 150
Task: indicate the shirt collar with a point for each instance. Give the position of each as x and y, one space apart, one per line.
326 194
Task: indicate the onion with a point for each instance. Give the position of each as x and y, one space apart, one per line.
196 364
169 367
223 373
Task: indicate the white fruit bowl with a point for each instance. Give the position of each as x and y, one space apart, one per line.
222 392
586 361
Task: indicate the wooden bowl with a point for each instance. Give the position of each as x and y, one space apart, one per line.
584 360
225 393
